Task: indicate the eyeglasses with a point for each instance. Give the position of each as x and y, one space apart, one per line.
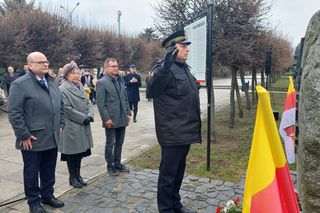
40 62
114 66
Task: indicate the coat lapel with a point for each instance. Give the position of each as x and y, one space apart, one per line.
73 89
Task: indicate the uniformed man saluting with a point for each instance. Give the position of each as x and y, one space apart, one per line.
177 118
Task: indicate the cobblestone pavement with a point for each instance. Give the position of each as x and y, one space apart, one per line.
135 192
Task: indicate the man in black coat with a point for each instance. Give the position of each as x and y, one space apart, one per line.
177 118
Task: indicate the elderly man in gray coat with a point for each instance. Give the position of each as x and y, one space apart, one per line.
36 114
113 105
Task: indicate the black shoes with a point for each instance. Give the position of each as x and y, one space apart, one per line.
37 209
113 171
135 120
81 181
185 210
73 181
53 202
73 174
122 168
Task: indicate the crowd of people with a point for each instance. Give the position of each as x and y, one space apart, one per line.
51 114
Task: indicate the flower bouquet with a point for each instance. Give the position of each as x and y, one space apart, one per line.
232 206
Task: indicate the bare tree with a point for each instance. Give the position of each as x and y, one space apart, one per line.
86 46
9 6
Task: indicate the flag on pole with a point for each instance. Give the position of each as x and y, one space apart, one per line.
268 185
287 124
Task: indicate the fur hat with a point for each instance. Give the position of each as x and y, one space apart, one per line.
68 68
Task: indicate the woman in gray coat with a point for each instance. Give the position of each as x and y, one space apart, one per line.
76 138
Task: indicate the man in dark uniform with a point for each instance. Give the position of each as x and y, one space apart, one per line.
177 118
133 82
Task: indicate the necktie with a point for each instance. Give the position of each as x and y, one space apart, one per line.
117 83
43 83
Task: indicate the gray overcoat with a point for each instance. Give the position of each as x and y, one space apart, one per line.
113 102
36 110
76 137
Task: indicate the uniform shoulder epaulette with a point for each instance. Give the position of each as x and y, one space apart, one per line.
158 64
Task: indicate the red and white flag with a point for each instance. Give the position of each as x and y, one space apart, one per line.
287 124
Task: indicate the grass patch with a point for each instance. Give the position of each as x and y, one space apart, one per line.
230 153
283 82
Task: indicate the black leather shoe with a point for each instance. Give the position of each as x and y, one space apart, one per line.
81 181
37 209
73 181
185 210
112 171
53 202
122 168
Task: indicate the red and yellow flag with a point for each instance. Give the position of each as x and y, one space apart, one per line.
268 183
288 121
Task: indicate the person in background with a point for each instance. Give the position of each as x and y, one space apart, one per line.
133 82
36 113
24 71
9 78
113 106
175 94
87 79
59 78
52 74
77 137
147 82
87 91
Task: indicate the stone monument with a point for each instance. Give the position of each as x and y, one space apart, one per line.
308 163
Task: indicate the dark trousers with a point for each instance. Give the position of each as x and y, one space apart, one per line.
134 106
113 148
41 163
171 172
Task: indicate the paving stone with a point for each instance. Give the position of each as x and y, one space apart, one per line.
228 184
222 188
200 204
213 202
237 191
204 180
222 197
188 187
150 195
201 197
212 194
136 186
121 210
192 178
229 193
201 189
122 197
239 186
82 194
217 182
209 185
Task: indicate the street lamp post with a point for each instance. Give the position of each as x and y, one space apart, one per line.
70 12
119 15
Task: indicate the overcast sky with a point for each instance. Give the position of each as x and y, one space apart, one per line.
290 16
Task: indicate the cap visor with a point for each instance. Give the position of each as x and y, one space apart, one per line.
184 42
